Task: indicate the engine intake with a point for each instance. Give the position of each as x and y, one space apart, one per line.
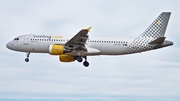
56 49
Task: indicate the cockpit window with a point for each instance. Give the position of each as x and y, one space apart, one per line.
16 39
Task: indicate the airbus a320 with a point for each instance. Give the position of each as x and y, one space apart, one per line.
78 47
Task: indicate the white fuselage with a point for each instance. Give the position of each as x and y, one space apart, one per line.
95 46
79 46
40 44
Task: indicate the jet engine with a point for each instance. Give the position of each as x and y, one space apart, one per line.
66 58
56 49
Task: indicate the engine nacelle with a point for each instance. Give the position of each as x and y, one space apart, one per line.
56 49
66 58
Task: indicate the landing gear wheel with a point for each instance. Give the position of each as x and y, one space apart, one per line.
86 64
27 60
79 59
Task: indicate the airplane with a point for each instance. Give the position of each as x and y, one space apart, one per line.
78 47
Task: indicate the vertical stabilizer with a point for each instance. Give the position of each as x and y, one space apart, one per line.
158 27
153 34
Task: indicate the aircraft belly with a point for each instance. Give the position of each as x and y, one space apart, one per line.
39 47
113 51
109 49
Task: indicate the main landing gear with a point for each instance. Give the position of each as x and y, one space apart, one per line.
27 59
80 59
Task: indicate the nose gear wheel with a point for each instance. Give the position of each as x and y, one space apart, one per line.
27 59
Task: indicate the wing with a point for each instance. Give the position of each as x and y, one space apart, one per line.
77 43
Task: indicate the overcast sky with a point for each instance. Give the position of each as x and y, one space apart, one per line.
148 76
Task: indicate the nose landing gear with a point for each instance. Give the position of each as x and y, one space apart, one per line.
27 59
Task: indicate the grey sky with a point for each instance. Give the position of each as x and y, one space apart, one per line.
151 75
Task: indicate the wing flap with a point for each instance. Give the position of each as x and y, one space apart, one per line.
78 41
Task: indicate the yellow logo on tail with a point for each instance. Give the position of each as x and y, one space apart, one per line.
158 22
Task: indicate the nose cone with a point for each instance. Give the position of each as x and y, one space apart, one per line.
12 46
8 45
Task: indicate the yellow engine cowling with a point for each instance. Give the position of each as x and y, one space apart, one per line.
56 49
66 58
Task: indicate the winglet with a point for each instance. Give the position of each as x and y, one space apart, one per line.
89 29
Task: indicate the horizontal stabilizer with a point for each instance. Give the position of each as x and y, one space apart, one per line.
159 40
